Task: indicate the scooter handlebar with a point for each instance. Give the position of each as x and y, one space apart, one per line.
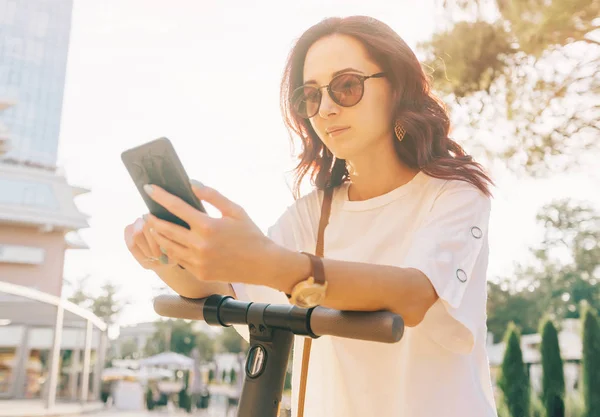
376 326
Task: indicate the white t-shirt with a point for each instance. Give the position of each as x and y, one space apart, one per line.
440 367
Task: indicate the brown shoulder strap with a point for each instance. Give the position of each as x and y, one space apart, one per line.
324 221
325 211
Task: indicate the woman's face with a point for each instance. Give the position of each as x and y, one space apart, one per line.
368 124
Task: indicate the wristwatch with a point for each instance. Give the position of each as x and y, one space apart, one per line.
311 291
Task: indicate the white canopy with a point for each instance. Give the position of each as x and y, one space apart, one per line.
117 373
154 373
169 360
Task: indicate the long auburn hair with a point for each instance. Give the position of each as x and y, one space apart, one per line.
426 145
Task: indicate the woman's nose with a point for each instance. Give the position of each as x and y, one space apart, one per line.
328 107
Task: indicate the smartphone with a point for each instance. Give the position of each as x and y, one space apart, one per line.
156 162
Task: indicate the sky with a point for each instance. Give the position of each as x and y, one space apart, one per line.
206 75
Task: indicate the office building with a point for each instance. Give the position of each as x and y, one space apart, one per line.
49 349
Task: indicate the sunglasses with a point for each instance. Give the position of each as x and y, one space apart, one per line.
345 90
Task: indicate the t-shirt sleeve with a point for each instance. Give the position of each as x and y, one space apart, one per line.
450 248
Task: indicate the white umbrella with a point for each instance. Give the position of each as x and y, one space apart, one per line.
154 373
169 360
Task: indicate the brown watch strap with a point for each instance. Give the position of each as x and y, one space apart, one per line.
325 211
317 268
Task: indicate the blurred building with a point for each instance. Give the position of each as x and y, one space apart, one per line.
49 348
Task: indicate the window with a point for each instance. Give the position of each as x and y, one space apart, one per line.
27 193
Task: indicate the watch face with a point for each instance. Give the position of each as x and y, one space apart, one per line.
310 297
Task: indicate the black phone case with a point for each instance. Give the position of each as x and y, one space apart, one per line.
156 162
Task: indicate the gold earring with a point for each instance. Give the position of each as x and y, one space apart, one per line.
399 130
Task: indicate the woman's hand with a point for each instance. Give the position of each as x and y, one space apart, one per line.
227 249
143 246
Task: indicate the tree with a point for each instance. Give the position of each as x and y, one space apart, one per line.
80 295
563 274
230 341
129 349
506 304
591 363
178 336
514 381
569 256
497 65
105 305
206 346
553 380
232 376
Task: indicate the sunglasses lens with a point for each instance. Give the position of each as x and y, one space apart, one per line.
305 101
347 89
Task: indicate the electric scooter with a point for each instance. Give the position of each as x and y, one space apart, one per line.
272 328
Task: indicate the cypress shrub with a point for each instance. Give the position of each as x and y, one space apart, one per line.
590 363
513 380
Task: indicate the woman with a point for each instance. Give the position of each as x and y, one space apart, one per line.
407 232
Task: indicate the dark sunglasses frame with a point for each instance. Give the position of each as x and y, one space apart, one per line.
362 79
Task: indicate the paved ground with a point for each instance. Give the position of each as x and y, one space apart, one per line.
33 408
158 413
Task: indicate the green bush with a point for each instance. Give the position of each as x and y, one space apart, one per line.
185 401
537 408
211 375
513 380
287 383
149 399
590 363
553 379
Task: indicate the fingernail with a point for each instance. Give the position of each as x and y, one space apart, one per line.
164 259
148 188
197 183
138 225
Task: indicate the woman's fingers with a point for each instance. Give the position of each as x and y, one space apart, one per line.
139 239
145 261
172 231
175 252
132 237
177 206
227 207
152 244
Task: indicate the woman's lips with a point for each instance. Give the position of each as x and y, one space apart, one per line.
337 131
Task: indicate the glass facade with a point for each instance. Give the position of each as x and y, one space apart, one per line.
7 358
34 42
27 194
